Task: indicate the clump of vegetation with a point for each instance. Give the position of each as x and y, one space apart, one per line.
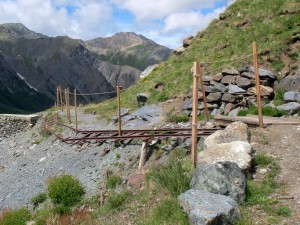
40 198
167 212
175 177
266 111
65 190
279 97
178 118
113 181
116 201
15 217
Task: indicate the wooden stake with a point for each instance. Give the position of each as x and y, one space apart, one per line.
195 114
66 101
260 117
119 88
203 92
103 188
75 107
57 97
144 150
69 108
60 96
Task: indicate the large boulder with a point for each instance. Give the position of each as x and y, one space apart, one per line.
231 71
243 82
291 83
237 151
220 87
291 96
291 107
227 97
150 113
228 79
263 74
148 70
224 178
236 131
187 104
204 208
142 98
124 112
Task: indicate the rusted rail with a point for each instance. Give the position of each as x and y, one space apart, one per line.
83 136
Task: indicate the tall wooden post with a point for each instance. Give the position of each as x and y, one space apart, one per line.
195 114
203 92
119 88
68 103
75 108
57 97
260 117
60 96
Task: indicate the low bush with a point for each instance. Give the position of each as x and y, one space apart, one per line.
65 190
116 201
113 181
178 118
40 198
15 217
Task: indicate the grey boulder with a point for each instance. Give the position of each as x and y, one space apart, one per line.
291 107
224 178
291 96
204 208
235 89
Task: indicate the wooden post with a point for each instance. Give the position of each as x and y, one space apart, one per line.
119 88
75 107
57 97
66 101
195 114
203 93
60 96
144 150
260 117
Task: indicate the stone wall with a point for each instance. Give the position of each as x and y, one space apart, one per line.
11 123
232 89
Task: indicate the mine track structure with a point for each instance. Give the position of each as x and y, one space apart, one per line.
100 136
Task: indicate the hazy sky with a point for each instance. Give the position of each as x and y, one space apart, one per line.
165 21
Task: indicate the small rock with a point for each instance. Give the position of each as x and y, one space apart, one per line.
227 97
218 77
235 89
228 79
142 98
233 72
214 97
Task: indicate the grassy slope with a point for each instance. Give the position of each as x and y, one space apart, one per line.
271 23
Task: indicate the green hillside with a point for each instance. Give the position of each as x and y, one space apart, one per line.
273 24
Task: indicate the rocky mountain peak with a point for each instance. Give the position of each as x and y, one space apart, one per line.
16 31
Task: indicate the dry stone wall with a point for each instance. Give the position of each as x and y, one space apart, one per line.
232 89
11 124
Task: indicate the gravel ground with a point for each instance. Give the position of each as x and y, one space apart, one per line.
25 167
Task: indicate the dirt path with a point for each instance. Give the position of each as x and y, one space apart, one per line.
283 142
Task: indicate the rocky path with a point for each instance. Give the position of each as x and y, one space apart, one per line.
283 142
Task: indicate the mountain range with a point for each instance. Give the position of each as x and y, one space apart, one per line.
42 63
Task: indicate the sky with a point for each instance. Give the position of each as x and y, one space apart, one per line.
167 22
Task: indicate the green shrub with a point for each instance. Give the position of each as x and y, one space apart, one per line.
116 201
167 212
15 217
65 190
113 181
176 176
40 198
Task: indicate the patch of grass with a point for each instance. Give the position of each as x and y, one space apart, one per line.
65 190
113 181
175 176
178 118
278 100
15 217
266 111
262 160
40 198
167 212
116 201
284 211
61 209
